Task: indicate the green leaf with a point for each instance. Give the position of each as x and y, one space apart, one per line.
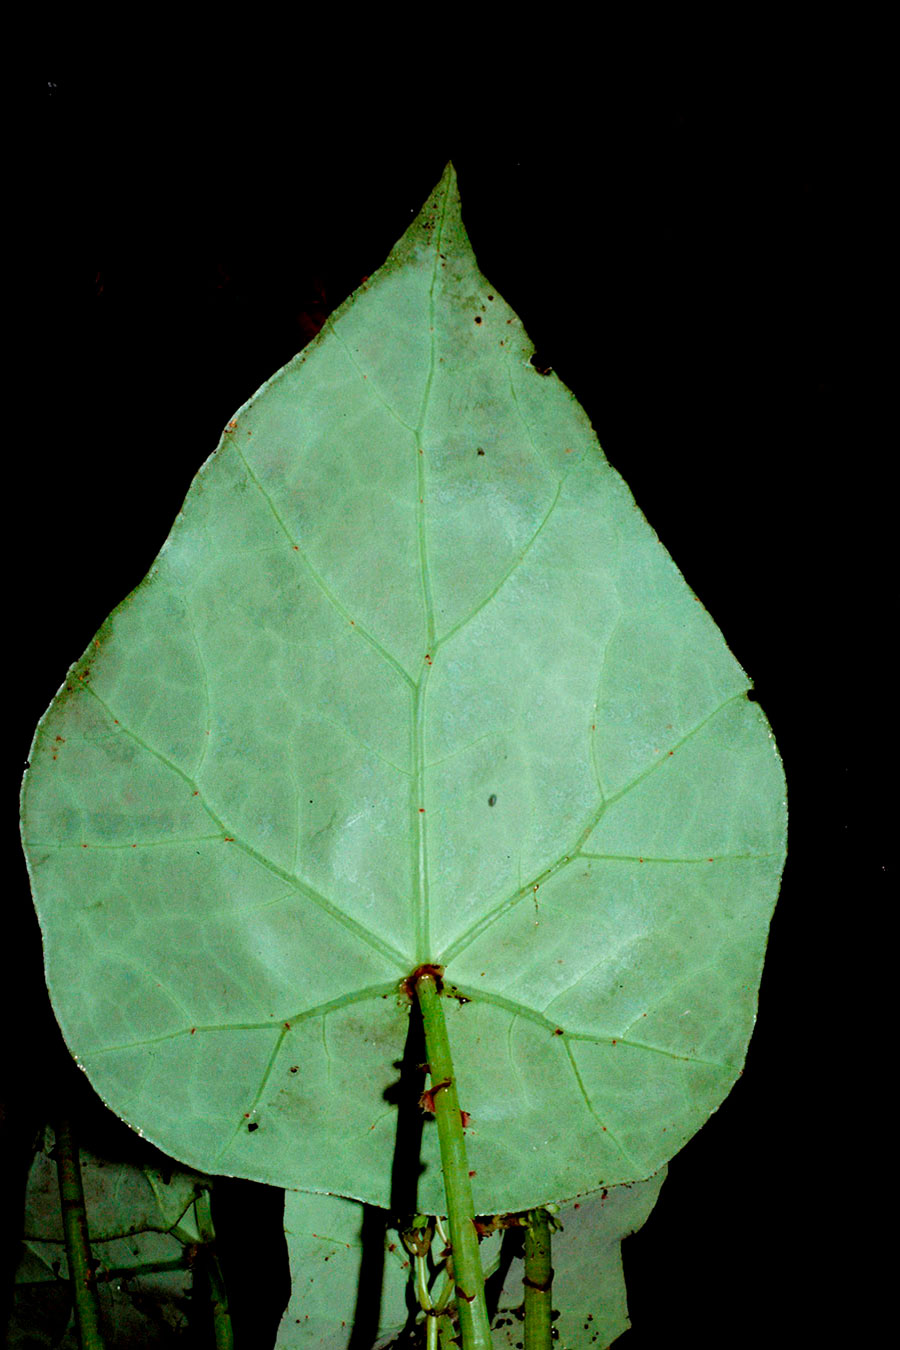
122 1198
411 679
327 1249
589 1300
140 1222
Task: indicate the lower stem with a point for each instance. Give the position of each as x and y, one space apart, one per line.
78 1245
467 1271
218 1297
538 1282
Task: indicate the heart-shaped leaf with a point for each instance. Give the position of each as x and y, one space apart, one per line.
411 680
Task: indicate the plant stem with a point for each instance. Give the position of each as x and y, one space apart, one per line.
538 1281
218 1296
467 1271
78 1244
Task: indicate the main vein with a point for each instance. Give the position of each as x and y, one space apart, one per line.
418 806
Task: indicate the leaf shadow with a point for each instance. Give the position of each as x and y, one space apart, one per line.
406 1168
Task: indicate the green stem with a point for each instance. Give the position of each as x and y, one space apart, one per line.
468 1274
218 1297
538 1282
78 1244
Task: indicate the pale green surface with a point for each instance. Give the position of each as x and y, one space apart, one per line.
323 1238
356 615
588 1283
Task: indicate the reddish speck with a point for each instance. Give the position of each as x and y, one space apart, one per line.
421 810
473 1174
615 1042
558 1031
465 1118
576 1206
193 1029
287 1026
229 839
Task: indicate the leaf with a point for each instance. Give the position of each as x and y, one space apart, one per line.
411 679
122 1197
139 1221
588 1283
327 1249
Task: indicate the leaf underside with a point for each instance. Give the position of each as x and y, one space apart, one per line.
332 1247
412 679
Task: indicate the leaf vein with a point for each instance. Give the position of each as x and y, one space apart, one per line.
358 627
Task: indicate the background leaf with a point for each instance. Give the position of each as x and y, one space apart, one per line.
589 1294
140 1220
329 1293
356 750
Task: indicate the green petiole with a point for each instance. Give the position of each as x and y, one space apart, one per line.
467 1271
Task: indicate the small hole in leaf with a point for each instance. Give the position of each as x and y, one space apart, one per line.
479 451
252 1126
492 799
478 318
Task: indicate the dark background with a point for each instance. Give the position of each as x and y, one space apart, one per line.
679 255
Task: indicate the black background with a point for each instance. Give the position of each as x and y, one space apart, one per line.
679 256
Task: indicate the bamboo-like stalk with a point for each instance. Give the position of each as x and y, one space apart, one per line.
78 1243
538 1281
467 1271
